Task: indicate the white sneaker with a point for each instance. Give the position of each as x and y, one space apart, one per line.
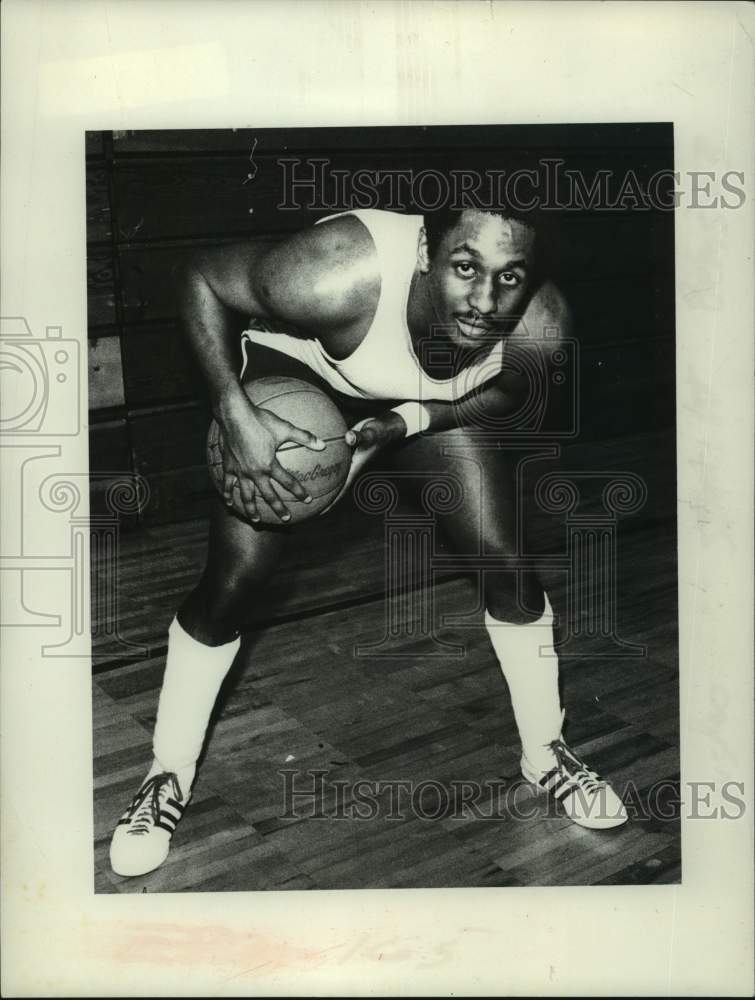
141 840
587 799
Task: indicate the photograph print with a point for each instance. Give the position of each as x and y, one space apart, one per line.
383 494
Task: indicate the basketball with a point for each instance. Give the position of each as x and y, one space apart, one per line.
322 473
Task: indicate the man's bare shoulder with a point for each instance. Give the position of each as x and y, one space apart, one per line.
324 275
547 315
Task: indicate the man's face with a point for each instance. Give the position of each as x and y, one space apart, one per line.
480 276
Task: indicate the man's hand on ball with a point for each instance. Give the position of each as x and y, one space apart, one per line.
374 433
250 463
367 438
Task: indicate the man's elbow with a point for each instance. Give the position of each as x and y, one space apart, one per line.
188 271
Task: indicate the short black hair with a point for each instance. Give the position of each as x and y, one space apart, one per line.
440 220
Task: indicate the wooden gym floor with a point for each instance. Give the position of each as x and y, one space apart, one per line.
299 700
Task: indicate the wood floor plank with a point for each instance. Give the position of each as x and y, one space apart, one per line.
299 700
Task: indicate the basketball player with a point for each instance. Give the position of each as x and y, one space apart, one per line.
347 305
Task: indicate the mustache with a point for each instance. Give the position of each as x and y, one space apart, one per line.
488 322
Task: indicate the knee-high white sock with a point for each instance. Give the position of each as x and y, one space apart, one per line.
193 675
530 666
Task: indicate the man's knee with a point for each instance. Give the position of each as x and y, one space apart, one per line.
519 602
235 591
222 604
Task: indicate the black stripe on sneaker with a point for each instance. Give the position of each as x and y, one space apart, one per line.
555 788
567 793
164 826
546 778
178 806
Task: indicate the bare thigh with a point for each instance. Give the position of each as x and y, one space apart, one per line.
242 558
487 519
240 561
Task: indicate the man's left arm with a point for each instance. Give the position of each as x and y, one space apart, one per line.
546 323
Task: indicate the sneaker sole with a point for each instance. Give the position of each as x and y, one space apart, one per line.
587 823
127 871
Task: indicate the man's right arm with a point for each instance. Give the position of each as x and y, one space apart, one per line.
214 287
312 281
315 280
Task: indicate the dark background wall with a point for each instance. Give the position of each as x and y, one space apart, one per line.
154 197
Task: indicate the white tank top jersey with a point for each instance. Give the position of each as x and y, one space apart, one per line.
385 365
